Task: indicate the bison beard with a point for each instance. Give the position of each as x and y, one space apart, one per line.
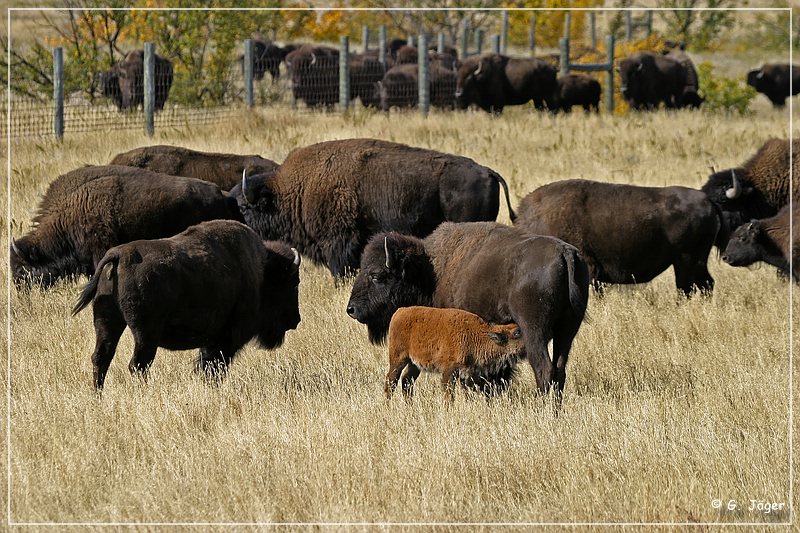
214 286
498 272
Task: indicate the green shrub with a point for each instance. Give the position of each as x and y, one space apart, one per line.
723 93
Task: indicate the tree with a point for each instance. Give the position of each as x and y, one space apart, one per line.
698 29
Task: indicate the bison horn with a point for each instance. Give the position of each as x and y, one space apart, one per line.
313 59
640 67
735 191
244 186
15 247
713 170
296 257
760 74
480 66
386 249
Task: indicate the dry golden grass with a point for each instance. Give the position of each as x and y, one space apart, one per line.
668 405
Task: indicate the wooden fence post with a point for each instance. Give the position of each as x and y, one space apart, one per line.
58 92
593 29
344 73
610 74
495 44
532 35
382 44
563 46
424 82
149 88
464 39
479 41
248 73
365 38
503 32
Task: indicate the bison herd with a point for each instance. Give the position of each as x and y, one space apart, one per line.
202 250
488 81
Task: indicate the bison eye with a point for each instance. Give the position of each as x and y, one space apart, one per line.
378 278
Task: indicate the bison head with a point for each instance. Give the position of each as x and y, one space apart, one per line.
109 85
732 192
745 245
632 79
280 309
473 73
758 80
258 204
395 272
29 265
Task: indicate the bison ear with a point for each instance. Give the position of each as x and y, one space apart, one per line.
498 338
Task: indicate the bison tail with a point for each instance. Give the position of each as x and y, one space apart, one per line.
502 182
578 277
88 292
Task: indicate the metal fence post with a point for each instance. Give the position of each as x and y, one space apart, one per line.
628 24
248 73
563 47
464 38
149 88
382 44
593 29
410 40
344 73
440 43
58 92
424 84
503 32
532 35
495 44
648 23
610 74
365 38
567 25
478 41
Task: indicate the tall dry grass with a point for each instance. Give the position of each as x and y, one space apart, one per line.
669 403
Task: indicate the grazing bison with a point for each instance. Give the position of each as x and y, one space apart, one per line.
493 81
772 80
223 169
500 273
267 57
124 82
578 89
365 72
767 240
315 75
87 211
400 87
327 199
648 80
758 188
690 96
214 287
628 234
455 343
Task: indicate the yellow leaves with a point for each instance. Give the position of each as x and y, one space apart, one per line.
549 24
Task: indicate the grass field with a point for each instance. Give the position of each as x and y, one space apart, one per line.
669 404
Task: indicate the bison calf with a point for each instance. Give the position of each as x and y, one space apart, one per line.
766 240
215 286
458 344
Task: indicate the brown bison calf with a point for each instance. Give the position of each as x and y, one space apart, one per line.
456 343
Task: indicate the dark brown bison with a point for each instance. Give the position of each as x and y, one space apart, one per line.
315 75
758 188
690 96
223 169
767 240
648 80
124 82
772 80
365 72
214 287
400 87
628 234
87 211
267 57
493 81
500 273
578 89
329 198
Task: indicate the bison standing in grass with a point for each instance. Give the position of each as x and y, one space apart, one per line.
455 343
223 169
776 81
648 80
767 240
124 82
760 187
214 287
328 199
500 273
87 211
578 89
628 234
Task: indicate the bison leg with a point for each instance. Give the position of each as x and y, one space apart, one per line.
448 384
144 351
393 376
213 362
691 275
108 328
409 377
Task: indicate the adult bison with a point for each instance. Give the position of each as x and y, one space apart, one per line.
225 170
87 211
329 198
773 81
493 81
500 273
689 96
267 57
648 80
578 89
400 87
315 75
760 187
628 234
124 82
365 72
767 240
214 286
